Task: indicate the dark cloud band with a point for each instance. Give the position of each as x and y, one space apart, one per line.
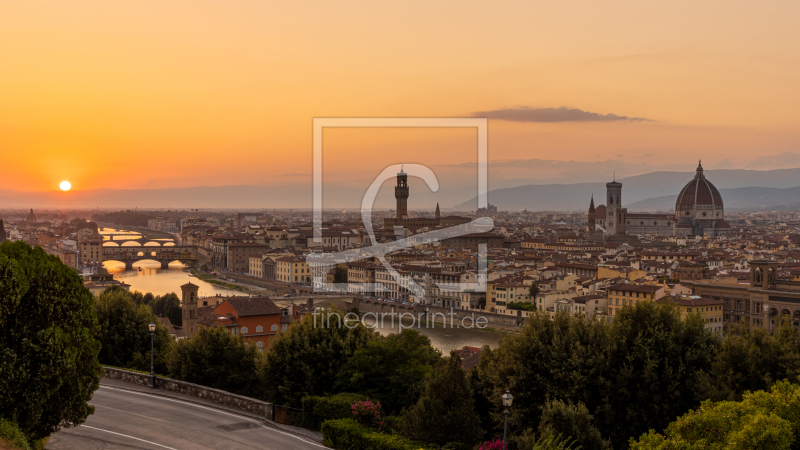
563 114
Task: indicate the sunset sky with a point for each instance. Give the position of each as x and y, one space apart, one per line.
153 94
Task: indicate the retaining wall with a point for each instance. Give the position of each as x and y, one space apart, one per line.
261 408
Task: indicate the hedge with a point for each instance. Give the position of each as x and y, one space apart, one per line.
347 434
319 409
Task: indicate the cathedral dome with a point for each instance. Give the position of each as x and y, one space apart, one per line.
699 192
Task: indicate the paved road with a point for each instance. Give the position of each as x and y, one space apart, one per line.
126 419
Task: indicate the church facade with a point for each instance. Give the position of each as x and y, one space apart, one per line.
698 211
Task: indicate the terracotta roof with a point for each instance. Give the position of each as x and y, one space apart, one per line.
253 306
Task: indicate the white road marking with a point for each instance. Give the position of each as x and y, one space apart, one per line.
215 410
125 435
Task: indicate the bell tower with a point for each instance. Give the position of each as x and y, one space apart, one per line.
189 307
401 194
592 220
613 203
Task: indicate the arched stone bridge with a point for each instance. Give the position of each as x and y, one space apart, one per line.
141 241
186 254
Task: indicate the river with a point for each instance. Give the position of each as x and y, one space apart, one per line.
147 276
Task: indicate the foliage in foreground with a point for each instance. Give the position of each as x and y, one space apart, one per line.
348 434
762 420
12 435
317 409
217 359
125 335
305 359
48 351
390 369
445 413
634 374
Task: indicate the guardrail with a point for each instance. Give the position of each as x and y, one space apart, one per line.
261 408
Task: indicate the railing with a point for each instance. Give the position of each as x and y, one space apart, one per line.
287 416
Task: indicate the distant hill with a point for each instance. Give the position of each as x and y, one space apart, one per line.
653 191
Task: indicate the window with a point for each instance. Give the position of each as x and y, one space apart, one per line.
244 330
259 329
274 328
260 345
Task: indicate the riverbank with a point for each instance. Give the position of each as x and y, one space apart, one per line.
212 279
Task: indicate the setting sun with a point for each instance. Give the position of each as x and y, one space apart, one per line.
65 185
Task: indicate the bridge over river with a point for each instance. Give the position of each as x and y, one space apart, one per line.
131 254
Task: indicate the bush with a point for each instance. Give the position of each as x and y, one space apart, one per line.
318 409
347 434
368 414
10 433
763 420
522 305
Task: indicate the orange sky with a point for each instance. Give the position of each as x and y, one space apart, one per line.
186 93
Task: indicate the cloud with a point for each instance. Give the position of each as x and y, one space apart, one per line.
563 114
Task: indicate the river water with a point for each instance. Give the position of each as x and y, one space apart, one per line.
147 276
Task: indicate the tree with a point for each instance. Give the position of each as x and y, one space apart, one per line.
390 369
633 374
751 360
533 291
168 306
217 359
560 419
654 364
48 351
305 359
445 413
340 275
762 420
125 335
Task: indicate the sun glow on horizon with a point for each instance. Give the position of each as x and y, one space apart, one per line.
65 186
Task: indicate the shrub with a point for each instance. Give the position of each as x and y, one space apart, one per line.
522 305
11 434
496 444
347 434
368 414
318 409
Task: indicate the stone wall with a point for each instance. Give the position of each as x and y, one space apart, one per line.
261 408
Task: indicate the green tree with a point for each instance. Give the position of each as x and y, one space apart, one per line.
306 358
217 359
633 374
125 335
751 360
533 291
762 420
655 360
168 306
445 413
48 351
389 369
560 419
340 275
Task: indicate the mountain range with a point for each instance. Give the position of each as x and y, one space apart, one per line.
654 191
